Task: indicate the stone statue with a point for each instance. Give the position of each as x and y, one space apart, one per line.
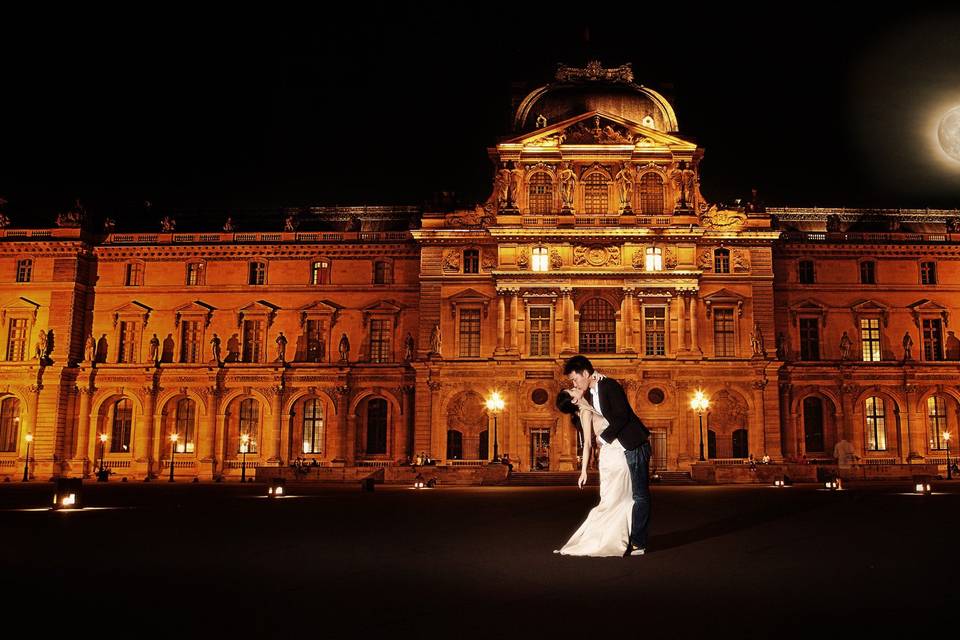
168 224
568 183
291 223
91 348
436 339
781 346
74 217
756 204
228 225
516 181
501 188
756 341
408 347
624 181
41 345
846 345
355 223
682 178
109 224
344 348
215 345
281 348
907 346
154 349
833 223
4 218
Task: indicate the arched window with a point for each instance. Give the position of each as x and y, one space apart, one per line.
596 194
813 424
937 420
121 426
540 194
654 259
651 194
186 425
376 426
9 424
740 448
598 327
454 445
876 430
721 261
312 426
249 424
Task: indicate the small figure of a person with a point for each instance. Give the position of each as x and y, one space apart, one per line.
154 349
624 181
846 346
281 348
436 339
408 347
765 459
752 463
567 186
344 348
781 346
907 343
91 348
756 340
215 345
41 345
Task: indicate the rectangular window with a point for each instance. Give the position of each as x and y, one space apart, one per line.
190 341
316 348
539 331
809 338
595 195
258 273
17 339
252 340
870 339
24 270
381 272
194 274
932 339
868 272
471 261
876 430
654 331
541 261
134 275
805 272
470 333
937 418
721 261
320 272
129 342
928 273
380 340
723 335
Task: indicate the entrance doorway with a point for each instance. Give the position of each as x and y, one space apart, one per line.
658 454
540 449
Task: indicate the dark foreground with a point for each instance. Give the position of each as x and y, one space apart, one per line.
185 560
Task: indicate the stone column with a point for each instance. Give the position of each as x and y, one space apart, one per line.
626 312
678 304
273 443
515 321
501 321
694 342
82 453
787 437
347 434
208 436
569 338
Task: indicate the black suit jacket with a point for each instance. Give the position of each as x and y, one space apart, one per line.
625 426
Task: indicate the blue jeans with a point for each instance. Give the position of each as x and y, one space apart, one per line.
639 462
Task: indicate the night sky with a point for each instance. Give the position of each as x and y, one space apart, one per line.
388 107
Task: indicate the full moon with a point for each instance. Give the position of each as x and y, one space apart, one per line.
949 133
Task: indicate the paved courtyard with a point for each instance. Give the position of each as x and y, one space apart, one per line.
206 560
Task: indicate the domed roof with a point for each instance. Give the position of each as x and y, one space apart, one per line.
576 91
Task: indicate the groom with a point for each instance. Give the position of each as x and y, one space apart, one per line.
607 397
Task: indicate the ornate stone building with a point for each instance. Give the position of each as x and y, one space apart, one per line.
367 343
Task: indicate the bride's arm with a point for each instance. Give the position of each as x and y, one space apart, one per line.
586 424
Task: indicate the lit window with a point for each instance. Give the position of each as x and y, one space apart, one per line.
129 341
190 334
312 426
721 261
17 339
9 424
252 340
320 272
249 425
870 339
540 194
875 415
186 425
120 426
651 194
541 260
654 260
937 420
595 194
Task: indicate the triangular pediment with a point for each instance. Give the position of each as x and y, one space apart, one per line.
133 307
321 306
724 295
927 305
260 306
197 306
383 306
469 295
868 306
809 304
21 303
599 128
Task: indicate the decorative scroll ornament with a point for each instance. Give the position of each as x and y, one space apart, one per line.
523 259
597 256
715 218
670 258
594 72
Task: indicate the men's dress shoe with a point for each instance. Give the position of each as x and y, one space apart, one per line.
633 551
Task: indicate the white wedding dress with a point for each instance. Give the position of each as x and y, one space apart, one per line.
606 531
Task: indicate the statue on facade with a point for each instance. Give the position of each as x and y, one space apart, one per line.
355 224
501 187
756 341
624 181
229 225
155 349
41 350
682 178
281 348
74 217
516 183
436 339
4 219
344 348
408 347
168 224
291 222
109 224
833 223
215 346
907 343
756 204
846 346
90 348
568 183
952 225
781 346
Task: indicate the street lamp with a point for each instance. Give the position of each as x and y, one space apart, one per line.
700 403
244 445
26 460
495 405
173 449
101 475
946 438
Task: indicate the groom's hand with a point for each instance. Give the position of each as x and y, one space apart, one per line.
582 480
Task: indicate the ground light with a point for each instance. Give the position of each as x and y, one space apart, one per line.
275 487
68 494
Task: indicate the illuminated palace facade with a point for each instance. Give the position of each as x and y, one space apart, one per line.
380 337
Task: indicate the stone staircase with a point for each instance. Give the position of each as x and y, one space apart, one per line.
551 478
672 477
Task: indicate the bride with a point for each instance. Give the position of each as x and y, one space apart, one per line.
606 531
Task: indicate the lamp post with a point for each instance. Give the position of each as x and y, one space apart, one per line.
946 438
244 445
173 449
495 405
700 403
103 446
26 459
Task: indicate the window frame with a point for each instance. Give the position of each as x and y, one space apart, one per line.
24 271
928 273
879 425
608 338
133 273
540 332
734 333
805 274
868 271
819 341
464 347
721 260
649 350
866 340
540 259
471 261
257 270
320 269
